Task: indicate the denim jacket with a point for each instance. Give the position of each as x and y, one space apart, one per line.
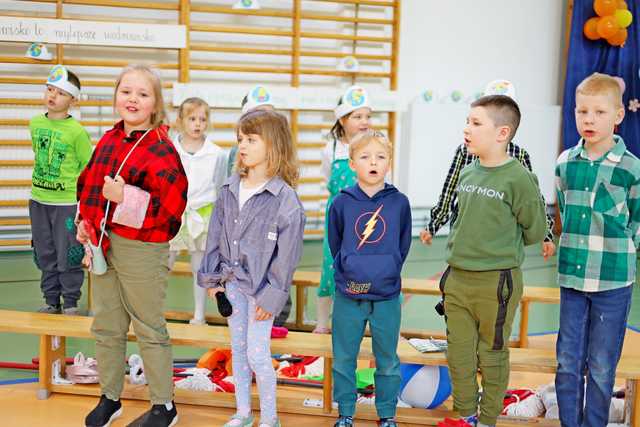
259 246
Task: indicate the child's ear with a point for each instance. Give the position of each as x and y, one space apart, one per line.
619 116
503 133
352 165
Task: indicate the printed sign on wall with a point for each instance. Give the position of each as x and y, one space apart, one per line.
67 31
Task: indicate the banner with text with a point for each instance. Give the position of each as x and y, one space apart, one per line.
67 31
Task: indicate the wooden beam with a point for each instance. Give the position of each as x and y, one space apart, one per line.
327 36
184 54
226 10
239 30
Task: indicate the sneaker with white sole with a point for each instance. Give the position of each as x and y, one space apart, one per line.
103 414
50 309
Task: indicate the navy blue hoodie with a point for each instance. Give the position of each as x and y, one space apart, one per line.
369 239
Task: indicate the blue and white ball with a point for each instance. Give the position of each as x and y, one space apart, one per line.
424 386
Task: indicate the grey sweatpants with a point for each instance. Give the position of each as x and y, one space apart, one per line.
56 252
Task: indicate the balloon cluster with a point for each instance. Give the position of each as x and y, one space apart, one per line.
611 23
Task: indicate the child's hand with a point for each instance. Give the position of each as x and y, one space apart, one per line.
426 237
82 235
213 291
261 314
113 189
548 250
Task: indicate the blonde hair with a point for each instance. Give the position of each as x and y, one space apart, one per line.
362 139
159 113
187 107
273 128
602 84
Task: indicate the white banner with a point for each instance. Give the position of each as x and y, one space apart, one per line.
286 98
67 31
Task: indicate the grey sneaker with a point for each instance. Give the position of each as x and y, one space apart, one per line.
50 309
71 311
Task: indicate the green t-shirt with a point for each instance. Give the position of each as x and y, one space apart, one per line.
62 149
501 211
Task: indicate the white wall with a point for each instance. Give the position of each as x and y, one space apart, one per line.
464 44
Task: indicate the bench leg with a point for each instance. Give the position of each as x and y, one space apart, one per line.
52 352
524 324
300 303
632 403
327 386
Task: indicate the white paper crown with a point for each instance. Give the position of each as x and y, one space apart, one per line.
59 77
355 97
257 96
247 4
38 51
501 87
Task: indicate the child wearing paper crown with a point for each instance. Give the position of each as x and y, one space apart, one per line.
446 210
62 148
258 98
353 116
205 165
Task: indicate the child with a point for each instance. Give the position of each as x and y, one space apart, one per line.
598 191
258 98
205 165
62 148
367 274
353 116
446 210
501 211
133 289
253 247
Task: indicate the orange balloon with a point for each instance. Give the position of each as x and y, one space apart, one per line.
607 27
590 28
618 38
622 5
605 7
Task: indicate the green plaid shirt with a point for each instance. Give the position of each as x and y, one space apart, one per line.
600 208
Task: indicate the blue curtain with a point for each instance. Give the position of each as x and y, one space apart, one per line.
587 57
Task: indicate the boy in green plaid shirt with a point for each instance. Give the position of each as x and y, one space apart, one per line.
598 187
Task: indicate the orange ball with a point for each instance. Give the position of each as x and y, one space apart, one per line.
590 28
618 38
605 7
622 5
607 27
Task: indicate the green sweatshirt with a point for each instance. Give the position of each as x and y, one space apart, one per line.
62 149
501 211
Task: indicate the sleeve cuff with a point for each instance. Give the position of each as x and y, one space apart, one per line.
133 209
208 280
272 299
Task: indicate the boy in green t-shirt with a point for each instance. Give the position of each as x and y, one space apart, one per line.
62 148
501 211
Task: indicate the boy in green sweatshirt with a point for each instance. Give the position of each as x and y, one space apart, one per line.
61 148
501 211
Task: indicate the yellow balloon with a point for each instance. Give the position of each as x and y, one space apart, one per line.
623 18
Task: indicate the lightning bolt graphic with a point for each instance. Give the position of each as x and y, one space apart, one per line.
370 227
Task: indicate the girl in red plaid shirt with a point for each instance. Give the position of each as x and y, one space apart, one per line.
147 198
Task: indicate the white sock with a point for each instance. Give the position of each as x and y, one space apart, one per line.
169 406
323 311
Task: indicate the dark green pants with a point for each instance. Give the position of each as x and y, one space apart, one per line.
479 310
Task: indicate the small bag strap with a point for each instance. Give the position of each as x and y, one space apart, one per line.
103 223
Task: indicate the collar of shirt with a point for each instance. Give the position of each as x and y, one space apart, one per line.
614 155
273 186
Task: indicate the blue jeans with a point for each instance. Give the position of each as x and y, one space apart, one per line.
592 328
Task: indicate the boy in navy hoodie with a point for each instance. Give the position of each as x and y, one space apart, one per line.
369 237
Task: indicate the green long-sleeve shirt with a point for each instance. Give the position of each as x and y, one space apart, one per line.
62 149
501 211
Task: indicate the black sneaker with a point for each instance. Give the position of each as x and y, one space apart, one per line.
103 414
344 422
387 422
157 416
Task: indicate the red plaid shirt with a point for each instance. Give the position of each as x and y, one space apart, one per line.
154 166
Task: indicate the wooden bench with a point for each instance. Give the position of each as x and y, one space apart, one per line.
310 279
53 329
